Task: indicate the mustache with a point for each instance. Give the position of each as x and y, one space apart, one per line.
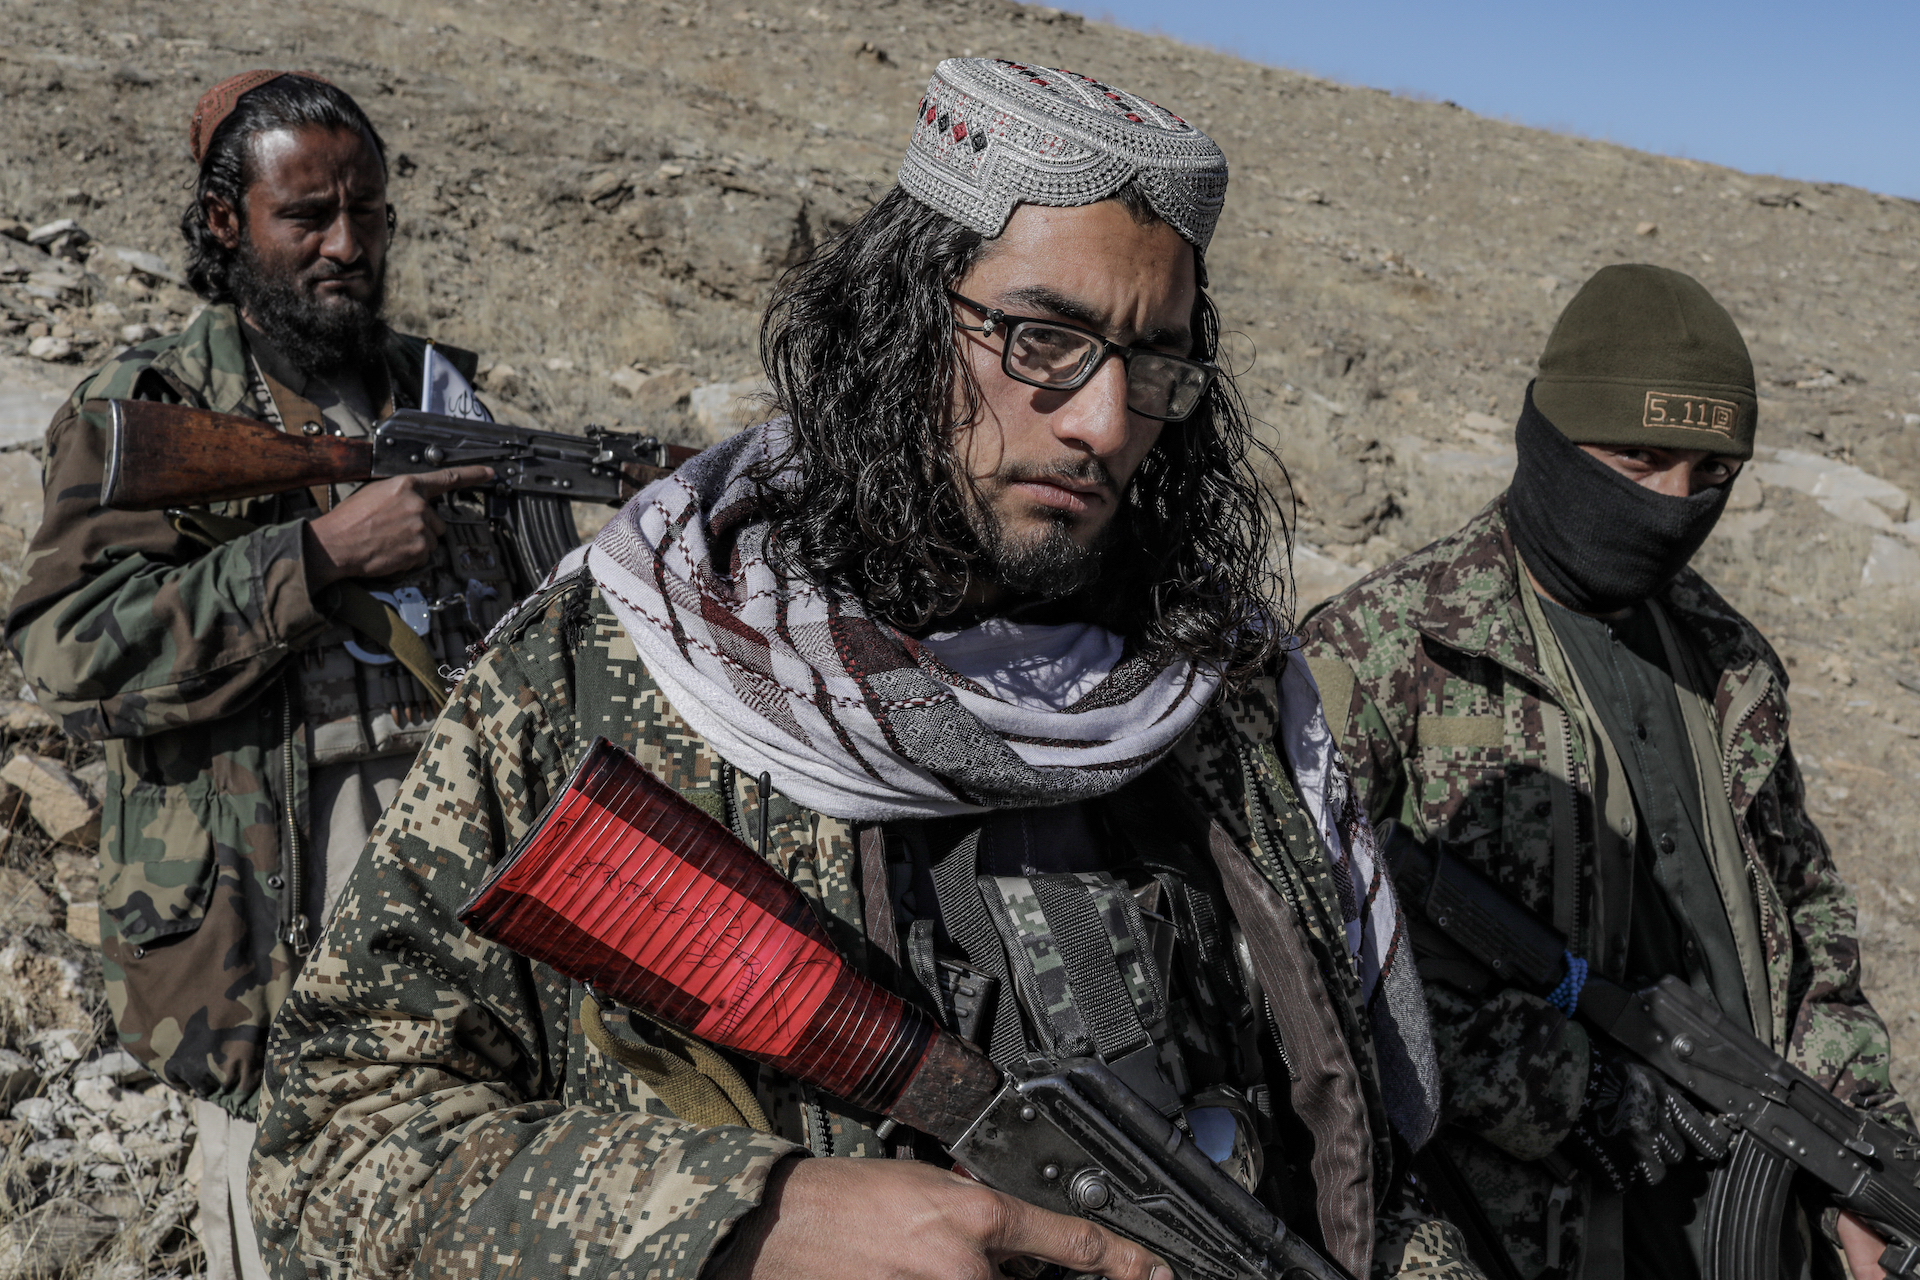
1084 471
327 269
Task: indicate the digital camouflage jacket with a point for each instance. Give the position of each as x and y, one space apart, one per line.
434 1105
175 653
1443 700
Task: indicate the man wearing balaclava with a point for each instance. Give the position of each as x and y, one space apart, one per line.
1552 696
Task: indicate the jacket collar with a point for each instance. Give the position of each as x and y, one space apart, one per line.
1471 601
208 361
1472 604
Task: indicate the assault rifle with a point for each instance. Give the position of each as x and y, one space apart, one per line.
1784 1121
627 887
165 456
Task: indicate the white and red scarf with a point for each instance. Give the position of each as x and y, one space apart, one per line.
855 719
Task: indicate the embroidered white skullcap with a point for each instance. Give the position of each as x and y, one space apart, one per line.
993 134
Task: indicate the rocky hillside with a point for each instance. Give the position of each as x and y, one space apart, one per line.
596 195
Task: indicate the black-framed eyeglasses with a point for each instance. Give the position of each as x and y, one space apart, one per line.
1063 357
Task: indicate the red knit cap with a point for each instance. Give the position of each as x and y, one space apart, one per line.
217 103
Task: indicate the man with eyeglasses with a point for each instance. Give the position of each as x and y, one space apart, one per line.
977 641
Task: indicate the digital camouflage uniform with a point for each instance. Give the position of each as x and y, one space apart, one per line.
435 1106
1440 698
195 663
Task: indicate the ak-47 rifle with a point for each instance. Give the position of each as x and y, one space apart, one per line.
164 456
1784 1121
627 887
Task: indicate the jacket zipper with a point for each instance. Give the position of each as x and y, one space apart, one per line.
1573 797
1763 889
293 917
1273 1027
819 1125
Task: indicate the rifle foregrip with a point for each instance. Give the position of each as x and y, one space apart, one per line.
171 455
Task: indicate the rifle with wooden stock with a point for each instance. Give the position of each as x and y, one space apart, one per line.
165 457
625 886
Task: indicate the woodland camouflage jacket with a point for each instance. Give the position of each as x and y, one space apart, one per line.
176 654
434 1107
1440 696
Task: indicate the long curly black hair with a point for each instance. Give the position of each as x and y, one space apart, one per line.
858 343
291 102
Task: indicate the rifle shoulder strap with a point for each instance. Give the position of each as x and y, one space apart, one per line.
697 1084
374 619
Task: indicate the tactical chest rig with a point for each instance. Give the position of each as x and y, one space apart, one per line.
1130 961
362 699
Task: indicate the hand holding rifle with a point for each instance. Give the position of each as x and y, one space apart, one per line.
384 528
957 1227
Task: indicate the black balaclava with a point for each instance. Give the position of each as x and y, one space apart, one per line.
1596 541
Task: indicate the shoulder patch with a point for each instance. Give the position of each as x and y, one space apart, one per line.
1336 681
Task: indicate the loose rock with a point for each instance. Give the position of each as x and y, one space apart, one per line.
20 499
117 1066
48 232
1891 562
51 349
23 903
723 408
147 264
61 804
658 391
58 1235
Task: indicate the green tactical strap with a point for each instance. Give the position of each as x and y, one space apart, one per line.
697 1084
380 622
374 619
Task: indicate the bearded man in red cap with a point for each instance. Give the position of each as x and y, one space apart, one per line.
252 739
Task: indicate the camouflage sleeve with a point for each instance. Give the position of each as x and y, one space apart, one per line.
1513 1069
1410 1242
126 627
1369 735
414 1121
1834 1035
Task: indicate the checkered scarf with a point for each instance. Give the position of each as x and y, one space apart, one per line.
851 717
1376 932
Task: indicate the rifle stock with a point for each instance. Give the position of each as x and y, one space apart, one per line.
169 455
162 456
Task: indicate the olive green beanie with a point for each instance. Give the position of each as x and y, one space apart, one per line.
1644 356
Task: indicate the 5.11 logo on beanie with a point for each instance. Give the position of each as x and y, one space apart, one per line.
1674 409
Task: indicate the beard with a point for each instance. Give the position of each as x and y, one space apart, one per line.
316 336
1050 565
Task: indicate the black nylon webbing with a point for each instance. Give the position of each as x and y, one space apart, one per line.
1106 1007
964 915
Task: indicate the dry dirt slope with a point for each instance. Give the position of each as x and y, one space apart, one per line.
592 190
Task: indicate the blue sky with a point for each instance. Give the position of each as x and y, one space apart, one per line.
1814 92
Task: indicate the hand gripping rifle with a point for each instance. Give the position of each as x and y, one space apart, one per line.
165 456
625 886
1784 1121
